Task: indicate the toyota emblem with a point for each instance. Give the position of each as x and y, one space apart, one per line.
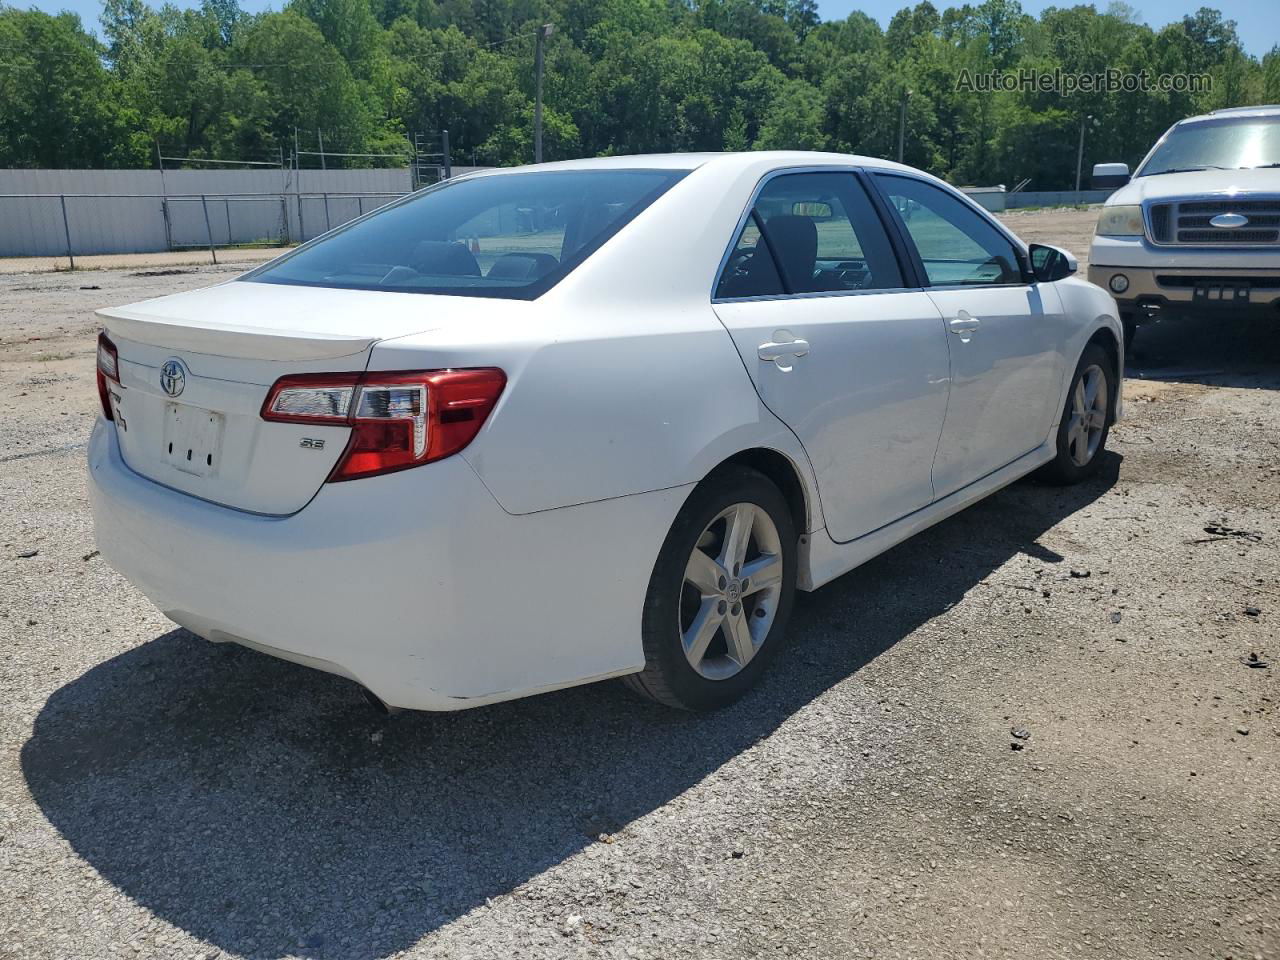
173 377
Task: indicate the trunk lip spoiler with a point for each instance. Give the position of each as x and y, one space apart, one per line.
208 337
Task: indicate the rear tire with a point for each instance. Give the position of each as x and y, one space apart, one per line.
1086 419
707 642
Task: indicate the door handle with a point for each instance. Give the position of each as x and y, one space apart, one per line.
964 324
782 349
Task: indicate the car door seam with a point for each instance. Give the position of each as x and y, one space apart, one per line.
818 522
946 410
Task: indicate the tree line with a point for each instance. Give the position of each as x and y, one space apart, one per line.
621 76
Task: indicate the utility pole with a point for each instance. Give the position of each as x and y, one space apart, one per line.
902 124
1080 151
320 137
544 31
444 154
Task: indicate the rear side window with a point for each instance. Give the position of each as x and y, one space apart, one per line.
957 246
508 235
810 233
751 270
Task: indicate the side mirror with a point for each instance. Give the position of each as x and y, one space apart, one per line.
1051 263
1109 176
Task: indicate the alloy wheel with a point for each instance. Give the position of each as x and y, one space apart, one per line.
732 585
1088 418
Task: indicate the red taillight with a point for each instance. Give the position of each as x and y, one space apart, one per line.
108 369
397 419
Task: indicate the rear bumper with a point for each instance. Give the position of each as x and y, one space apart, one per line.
1200 291
416 584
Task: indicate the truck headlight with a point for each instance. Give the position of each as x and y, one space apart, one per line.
1122 220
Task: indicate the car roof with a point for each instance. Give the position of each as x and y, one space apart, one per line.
727 162
1261 110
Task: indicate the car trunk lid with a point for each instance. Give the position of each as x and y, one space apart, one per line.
196 367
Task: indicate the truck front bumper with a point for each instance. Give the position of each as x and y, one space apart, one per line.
1206 282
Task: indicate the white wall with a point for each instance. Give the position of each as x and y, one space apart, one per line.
1057 198
123 211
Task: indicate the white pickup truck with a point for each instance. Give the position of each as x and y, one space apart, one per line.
1196 230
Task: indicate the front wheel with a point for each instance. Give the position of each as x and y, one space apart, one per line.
1086 419
721 593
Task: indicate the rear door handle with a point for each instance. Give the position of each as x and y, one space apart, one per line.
783 349
964 324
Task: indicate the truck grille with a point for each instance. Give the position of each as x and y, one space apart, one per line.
1187 222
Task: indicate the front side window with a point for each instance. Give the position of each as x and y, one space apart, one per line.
957 246
810 233
507 235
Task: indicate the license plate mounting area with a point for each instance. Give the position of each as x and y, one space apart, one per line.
192 438
1209 294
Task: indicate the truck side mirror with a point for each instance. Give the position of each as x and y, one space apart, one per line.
1109 176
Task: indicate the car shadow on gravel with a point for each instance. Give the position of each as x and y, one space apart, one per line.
1222 351
264 808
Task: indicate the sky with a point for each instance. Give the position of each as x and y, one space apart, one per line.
1256 20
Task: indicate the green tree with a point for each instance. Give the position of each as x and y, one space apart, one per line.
309 87
349 26
57 107
620 76
1271 76
794 119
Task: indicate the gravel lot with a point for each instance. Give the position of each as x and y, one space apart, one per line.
160 796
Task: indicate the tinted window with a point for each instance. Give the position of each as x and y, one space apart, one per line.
509 235
751 271
810 232
957 245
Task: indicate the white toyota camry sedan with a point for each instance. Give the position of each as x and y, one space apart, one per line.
543 426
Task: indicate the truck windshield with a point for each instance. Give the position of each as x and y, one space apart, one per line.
1227 144
500 235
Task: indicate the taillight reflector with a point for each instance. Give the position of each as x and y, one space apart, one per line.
108 369
398 419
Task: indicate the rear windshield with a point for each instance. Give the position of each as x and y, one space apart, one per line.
509 235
